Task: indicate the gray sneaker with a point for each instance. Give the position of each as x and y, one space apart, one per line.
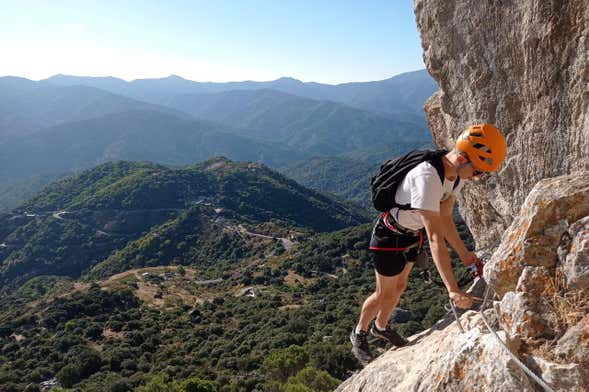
360 347
389 335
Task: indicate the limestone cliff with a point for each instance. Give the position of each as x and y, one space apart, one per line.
540 273
522 65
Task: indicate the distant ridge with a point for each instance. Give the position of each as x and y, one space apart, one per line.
28 106
401 94
276 122
312 126
143 135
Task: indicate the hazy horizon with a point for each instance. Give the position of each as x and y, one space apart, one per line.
324 42
209 81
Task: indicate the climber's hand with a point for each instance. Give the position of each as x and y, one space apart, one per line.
463 300
469 258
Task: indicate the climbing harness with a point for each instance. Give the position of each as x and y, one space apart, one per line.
395 228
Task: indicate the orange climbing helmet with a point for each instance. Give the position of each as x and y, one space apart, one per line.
484 145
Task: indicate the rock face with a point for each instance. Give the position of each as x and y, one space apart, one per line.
444 360
522 65
540 242
576 263
534 236
574 344
535 305
562 377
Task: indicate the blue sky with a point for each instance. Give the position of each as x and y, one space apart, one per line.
325 41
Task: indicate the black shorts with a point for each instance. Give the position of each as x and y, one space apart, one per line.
392 249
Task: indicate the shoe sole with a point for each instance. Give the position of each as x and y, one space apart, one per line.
386 339
362 362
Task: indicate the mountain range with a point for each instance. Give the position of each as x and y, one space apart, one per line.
313 126
27 107
66 124
401 94
133 135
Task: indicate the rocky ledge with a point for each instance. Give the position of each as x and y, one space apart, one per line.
540 275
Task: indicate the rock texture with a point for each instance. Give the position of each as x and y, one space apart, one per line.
524 66
518 315
443 359
574 344
541 241
534 236
576 263
561 377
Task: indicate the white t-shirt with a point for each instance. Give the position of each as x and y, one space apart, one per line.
422 189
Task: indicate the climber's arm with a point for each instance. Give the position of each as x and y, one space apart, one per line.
434 227
451 232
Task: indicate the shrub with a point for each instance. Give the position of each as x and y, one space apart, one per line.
314 379
282 364
198 385
69 375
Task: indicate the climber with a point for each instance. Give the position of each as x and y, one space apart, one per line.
422 200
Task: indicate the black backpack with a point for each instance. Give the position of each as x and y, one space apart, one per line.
393 171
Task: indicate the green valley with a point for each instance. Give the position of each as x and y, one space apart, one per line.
259 325
221 275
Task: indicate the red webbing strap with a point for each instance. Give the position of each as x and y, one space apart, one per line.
389 249
385 217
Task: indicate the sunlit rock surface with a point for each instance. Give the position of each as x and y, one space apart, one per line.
443 359
534 236
522 65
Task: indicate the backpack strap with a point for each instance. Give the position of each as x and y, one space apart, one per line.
438 163
435 159
456 182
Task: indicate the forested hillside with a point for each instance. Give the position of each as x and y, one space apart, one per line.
134 135
348 175
258 324
195 215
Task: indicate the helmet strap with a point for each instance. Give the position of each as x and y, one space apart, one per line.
462 161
